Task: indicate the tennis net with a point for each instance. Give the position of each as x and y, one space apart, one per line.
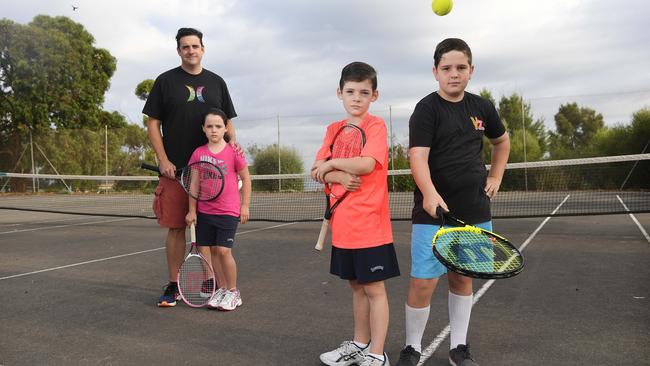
590 186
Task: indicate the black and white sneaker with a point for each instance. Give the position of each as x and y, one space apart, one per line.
460 356
374 361
409 357
347 354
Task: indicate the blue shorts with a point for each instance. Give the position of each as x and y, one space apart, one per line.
424 264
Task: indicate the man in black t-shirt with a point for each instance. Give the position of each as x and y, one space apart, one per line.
446 133
178 103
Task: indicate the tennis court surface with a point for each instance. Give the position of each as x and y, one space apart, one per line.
82 290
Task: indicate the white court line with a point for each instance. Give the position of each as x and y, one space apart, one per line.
437 341
77 264
122 255
60 226
79 217
645 233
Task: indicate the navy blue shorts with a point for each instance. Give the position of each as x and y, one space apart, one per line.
365 265
216 230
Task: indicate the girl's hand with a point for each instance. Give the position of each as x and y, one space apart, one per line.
244 214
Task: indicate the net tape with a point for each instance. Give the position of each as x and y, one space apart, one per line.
590 186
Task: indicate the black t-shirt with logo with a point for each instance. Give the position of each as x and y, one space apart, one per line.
180 100
454 131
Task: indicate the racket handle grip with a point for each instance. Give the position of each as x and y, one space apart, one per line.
322 235
193 233
153 168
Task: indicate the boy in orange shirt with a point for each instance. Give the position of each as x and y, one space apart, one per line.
362 238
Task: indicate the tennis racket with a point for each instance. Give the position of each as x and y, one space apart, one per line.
196 282
347 143
202 180
474 252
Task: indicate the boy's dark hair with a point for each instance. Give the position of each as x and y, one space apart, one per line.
184 32
218 112
358 71
451 44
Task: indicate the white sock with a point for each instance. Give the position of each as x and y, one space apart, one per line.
460 309
360 345
416 322
379 357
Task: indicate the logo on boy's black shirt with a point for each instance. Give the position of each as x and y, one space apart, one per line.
198 94
478 124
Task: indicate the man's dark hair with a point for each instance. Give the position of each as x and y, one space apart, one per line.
451 44
358 71
184 32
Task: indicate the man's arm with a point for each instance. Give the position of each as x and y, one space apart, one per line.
232 133
419 161
500 153
155 138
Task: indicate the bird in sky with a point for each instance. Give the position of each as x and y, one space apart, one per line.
74 8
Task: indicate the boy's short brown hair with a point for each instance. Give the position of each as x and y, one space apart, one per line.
358 71
451 44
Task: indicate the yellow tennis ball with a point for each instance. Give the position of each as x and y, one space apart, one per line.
442 7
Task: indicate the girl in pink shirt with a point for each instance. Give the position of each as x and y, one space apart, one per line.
216 221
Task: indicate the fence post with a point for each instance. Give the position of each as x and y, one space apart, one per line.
106 152
31 148
279 161
523 124
392 147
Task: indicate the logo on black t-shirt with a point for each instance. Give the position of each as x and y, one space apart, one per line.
198 94
478 124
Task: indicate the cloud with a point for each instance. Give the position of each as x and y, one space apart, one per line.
283 58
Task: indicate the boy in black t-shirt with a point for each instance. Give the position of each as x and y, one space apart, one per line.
178 101
446 133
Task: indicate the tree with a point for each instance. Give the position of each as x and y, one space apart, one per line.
487 94
266 162
522 130
143 89
625 139
576 129
398 159
142 92
51 75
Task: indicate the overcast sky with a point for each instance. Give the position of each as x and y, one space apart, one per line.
284 57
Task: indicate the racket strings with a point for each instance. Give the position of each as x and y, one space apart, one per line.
195 280
478 252
203 181
348 143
